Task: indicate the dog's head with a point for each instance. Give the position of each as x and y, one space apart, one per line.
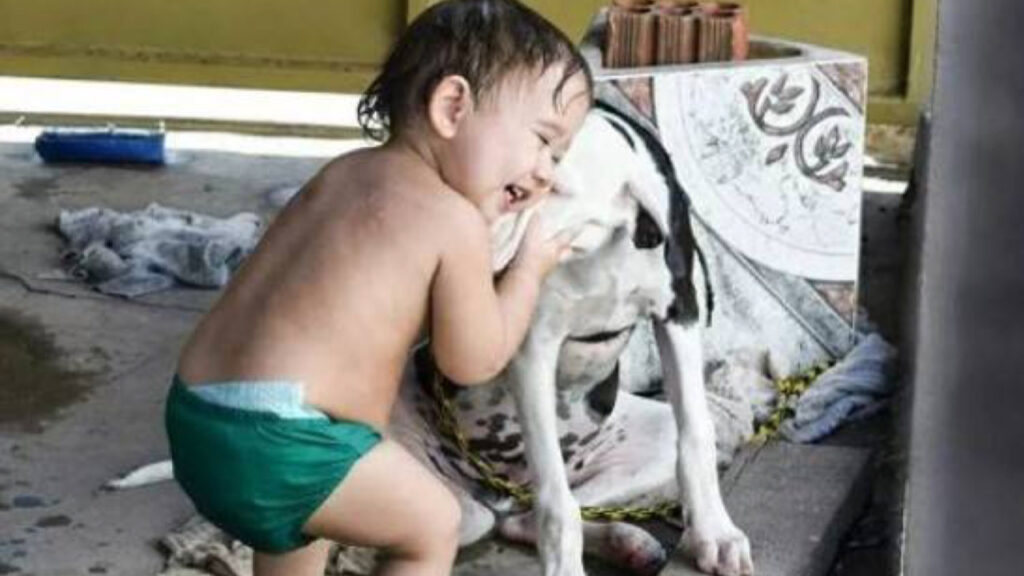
617 176
601 186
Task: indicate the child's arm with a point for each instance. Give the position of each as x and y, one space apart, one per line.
477 325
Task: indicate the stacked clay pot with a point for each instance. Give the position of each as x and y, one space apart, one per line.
652 32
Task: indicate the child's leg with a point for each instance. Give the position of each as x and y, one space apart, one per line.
390 501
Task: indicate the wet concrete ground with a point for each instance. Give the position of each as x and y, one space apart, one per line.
82 376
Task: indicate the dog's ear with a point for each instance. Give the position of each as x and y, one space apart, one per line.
653 213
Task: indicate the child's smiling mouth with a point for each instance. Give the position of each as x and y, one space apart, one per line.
514 195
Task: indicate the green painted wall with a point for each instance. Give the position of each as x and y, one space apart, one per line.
873 28
335 46
296 44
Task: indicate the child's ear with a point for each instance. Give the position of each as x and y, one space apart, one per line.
450 102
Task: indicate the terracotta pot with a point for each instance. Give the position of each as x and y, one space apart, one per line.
648 32
631 38
630 4
723 32
677 33
677 5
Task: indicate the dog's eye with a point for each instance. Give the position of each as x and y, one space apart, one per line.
647 235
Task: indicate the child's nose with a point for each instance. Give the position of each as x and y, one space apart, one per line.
544 171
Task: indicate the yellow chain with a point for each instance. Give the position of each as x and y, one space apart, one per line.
449 426
789 390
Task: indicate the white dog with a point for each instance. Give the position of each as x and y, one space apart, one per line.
556 418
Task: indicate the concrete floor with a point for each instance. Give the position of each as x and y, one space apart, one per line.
83 376
108 361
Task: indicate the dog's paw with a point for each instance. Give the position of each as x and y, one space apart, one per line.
720 549
564 567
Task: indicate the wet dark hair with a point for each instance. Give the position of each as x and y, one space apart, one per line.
481 40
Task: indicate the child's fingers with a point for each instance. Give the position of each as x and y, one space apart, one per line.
563 242
530 235
533 224
567 236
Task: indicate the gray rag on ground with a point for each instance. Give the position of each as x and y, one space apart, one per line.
198 548
135 253
856 387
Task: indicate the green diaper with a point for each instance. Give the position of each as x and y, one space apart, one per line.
259 471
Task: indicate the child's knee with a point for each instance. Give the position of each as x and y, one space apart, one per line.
450 515
443 512
438 521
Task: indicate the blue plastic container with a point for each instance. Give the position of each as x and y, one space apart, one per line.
110 145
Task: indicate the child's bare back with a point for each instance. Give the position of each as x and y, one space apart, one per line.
336 293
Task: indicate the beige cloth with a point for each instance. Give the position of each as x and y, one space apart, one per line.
199 548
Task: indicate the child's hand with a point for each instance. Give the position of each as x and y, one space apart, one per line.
540 253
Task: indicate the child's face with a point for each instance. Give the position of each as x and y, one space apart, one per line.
504 155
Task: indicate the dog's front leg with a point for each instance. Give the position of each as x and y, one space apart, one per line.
560 529
711 538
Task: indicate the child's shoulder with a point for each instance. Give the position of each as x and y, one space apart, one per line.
409 186
412 198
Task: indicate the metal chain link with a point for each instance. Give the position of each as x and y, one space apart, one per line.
789 390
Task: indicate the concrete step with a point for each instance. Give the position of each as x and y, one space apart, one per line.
795 502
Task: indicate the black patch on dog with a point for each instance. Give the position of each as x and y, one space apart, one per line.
566 444
450 453
590 437
497 424
655 389
622 131
600 337
437 463
568 441
682 246
601 398
497 395
494 446
647 234
505 458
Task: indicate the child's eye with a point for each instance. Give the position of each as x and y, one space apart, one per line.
544 140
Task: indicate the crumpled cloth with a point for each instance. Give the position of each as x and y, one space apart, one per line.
739 393
856 387
198 548
135 253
